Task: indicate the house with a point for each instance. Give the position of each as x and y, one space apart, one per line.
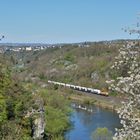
28 48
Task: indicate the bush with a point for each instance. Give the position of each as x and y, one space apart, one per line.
102 134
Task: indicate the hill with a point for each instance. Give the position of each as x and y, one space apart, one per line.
86 65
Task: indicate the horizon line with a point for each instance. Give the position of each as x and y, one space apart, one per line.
66 42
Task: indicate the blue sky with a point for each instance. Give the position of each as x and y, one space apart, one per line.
55 21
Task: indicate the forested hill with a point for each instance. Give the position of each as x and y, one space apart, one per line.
25 108
29 107
14 101
87 65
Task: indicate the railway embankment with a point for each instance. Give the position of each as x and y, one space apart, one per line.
91 96
108 102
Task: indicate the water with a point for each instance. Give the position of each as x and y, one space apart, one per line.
85 122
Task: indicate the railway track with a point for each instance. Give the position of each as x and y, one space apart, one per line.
80 88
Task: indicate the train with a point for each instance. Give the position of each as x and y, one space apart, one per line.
84 89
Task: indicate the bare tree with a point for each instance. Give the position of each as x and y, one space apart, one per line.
2 37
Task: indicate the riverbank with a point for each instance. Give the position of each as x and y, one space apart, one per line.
87 118
110 102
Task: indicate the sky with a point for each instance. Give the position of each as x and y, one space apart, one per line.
65 21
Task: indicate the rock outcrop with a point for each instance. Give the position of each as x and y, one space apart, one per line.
39 126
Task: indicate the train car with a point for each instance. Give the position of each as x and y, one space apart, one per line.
104 93
72 86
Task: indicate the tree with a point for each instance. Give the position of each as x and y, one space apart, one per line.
2 109
2 37
128 82
102 134
4 84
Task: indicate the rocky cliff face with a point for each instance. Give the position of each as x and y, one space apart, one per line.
39 122
39 126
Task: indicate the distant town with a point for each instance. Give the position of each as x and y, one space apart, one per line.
5 48
20 47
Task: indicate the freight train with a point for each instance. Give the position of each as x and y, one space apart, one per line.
79 88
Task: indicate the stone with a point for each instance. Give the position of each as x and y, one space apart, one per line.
39 127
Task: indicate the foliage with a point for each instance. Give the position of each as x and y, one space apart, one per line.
128 82
17 101
57 122
57 113
2 109
13 106
102 134
69 57
73 64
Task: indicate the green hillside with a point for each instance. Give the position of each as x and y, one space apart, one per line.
85 66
